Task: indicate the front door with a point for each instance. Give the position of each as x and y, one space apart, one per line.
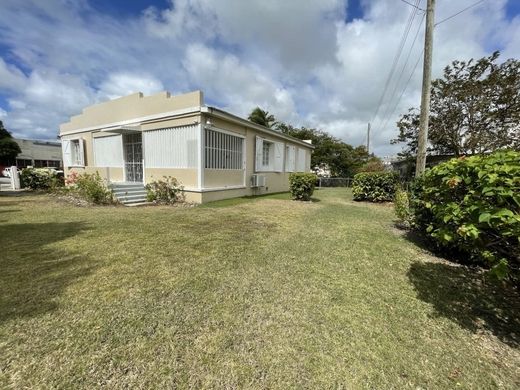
133 148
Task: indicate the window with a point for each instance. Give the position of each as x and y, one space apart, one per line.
266 149
75 150
108 151
301 162
223 151
73 154
269 155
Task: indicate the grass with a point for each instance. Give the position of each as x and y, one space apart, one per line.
247 293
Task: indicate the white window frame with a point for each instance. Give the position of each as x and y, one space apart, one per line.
267 151
73 153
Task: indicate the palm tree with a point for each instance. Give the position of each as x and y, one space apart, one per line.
262 117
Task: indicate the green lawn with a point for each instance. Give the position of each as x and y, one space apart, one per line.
249 293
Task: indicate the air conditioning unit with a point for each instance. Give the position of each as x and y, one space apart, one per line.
257 181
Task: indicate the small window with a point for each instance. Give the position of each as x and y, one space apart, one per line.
265 153
77 159
73 153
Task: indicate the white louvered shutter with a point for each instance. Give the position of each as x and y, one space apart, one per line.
259 146
278 156
67 154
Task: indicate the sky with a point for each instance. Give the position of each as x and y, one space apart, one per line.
321 64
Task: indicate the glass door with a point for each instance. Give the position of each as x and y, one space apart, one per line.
133 148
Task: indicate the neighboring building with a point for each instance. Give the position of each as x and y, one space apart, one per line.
38 153
214 154
406 167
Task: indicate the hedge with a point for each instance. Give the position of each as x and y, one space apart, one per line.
472 206
375 186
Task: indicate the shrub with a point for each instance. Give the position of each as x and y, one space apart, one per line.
472 206
374 186
302 185
375 165
167 191
402 207
92 188
40 179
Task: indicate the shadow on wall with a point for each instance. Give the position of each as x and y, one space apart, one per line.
469 298
33 276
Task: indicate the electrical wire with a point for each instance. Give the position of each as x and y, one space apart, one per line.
386 120
461 11
385 117
396 58
419 8
404 89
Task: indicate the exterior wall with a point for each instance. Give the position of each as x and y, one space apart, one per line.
187 177
212 196
218 178
107 174
130 107
275 181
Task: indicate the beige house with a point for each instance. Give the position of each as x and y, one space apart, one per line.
215 155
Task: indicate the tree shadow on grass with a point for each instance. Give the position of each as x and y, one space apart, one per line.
33 276
469 298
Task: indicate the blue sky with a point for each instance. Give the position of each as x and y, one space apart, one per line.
313 63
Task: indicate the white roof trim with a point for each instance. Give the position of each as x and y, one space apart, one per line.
226 115
122 129
134 121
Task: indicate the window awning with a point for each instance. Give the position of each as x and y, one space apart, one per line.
126 129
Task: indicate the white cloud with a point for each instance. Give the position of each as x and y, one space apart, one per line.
239 88
11 78
298 59
122 84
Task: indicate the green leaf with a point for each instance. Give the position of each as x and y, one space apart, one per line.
484 217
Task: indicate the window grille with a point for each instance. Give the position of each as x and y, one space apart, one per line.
223 151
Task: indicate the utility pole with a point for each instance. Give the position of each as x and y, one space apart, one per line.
368 138
426 82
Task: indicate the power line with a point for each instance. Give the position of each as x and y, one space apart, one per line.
419 8
404 90
461 11
396 57
386 118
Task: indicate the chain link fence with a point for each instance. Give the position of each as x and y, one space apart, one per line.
334 182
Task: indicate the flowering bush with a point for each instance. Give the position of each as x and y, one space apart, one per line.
166 191
40 179
89 187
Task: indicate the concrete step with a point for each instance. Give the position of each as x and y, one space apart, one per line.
126 186
129 193
136 191
131 196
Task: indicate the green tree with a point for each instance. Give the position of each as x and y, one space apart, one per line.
9 149
342 159
262 117
475 108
